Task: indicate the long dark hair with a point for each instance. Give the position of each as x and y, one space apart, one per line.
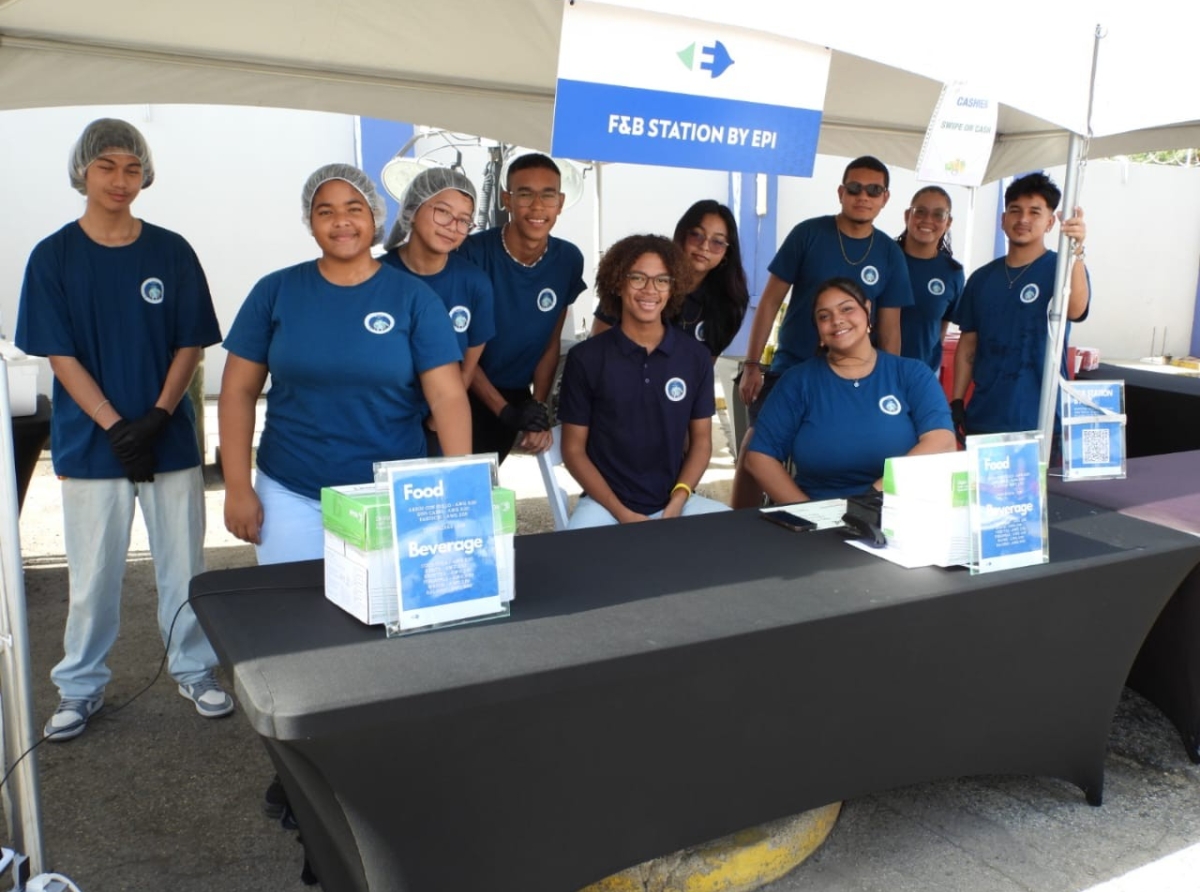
944 244
723 294
851 289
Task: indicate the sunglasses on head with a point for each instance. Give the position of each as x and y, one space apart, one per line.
856 188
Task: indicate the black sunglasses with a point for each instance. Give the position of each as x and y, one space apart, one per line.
872 189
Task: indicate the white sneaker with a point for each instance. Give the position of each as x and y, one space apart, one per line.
71 717
209 698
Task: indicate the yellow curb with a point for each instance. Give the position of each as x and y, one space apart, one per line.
739 862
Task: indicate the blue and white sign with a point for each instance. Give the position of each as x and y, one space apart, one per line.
962 131
1093 429
648 88
1007 484
445 541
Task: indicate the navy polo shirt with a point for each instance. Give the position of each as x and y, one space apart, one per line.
637 407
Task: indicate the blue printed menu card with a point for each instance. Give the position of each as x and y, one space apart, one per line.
1007 483
1093 429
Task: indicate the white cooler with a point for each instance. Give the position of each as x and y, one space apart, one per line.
22 379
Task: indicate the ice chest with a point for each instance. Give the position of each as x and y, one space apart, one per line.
360 563
22 379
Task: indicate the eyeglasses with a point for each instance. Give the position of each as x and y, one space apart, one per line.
445 217
524 198
856 188
639 281
937 215
697 239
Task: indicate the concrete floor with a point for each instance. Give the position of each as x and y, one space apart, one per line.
152 797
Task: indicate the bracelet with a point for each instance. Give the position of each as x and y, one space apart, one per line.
683 486
1081 253
96 411
754 362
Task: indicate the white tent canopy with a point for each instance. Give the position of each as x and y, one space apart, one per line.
489 68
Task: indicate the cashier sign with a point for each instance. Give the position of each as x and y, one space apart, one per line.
647 88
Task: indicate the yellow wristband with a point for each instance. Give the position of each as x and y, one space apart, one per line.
96 411
684 487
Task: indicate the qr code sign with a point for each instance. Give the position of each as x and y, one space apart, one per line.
1095 447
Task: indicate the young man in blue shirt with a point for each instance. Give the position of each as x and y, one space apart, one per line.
1003 309
535 278
845 245
637 400
123 311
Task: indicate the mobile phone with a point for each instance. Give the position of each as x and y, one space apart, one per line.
789 520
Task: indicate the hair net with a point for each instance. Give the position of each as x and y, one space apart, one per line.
348 173
106 136
423 187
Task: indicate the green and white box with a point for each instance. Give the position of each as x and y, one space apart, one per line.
926 507
360 573
360 566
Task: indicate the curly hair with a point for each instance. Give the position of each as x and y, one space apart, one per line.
619 259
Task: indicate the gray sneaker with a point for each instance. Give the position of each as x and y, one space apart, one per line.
71 717
208 697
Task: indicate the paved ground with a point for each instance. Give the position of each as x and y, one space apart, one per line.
152 797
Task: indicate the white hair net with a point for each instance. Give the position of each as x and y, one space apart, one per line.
348 173
108 136
423 187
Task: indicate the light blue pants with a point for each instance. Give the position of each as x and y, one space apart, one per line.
291 527
97 520
589 513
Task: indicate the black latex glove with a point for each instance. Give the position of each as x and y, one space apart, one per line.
527 416
958 415
147 428
136 462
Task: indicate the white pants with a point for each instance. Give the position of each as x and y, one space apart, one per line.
590 513
97 520
292 529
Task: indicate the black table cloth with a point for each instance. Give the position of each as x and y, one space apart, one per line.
663 684
1163 409
1164 489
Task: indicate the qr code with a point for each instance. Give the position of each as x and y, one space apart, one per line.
1095 447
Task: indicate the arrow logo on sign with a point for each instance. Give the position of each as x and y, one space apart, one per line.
714 59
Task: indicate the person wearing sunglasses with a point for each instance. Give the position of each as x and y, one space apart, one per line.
716 291
636 401
845 245
436 215
936 277
535 278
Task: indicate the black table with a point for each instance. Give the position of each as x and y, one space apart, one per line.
30 433
665 684
1163 409
1164 489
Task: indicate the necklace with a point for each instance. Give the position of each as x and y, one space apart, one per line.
866 362
842 245
1012 280
504 244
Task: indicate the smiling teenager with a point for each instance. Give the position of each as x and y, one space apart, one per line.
637 400
839 416
936 277
846 245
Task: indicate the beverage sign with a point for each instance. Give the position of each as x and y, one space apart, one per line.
1007 483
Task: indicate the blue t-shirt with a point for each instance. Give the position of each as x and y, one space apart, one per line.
122 312
637 407
529 301
937 284
812 253
344 364
467 294
839 434
1010 323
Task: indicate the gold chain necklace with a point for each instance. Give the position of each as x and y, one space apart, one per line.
842 245
1012 280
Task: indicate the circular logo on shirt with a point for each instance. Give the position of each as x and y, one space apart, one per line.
547 300
379 323
699 330
870 275
1030 293
676 389
889 405
937 287
152 291
460 318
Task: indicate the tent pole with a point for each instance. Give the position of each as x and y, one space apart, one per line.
22 793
